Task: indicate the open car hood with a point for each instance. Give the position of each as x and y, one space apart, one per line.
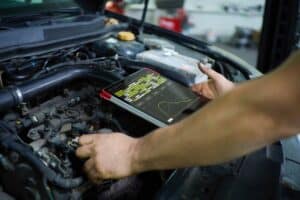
91 5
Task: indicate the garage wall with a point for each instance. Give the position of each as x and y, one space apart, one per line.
191 4
207 16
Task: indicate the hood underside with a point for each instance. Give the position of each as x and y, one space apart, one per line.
91 5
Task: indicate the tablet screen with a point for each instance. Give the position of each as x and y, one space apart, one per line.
155 95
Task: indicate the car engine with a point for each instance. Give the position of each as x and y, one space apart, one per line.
50 98
61 91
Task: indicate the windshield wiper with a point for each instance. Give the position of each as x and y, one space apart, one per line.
69 11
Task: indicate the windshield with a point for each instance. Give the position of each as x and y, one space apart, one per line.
20 7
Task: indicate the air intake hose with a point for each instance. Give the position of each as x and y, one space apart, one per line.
14 95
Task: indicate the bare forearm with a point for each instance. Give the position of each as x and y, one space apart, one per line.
219 132
231 126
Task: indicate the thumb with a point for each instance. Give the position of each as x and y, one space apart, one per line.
208 71
197 88
87 139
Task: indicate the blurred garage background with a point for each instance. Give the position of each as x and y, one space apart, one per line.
234 25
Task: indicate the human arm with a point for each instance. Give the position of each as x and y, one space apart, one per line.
251 116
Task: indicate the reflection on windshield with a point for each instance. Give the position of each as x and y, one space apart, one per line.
28 3
29 7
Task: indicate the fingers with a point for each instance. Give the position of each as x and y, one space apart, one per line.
197 88
208 71
87 139
94 176
84 151
208 94
204 89
90 170
88 165
200 88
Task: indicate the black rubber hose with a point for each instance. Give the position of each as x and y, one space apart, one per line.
13 96
7 99
50 175
8 139
30 68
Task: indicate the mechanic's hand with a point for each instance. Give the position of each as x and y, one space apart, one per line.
109 156
216 86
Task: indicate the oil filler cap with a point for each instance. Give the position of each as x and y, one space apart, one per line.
126 36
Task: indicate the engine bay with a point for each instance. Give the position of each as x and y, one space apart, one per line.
49 99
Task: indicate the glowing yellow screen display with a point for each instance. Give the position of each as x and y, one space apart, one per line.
143 86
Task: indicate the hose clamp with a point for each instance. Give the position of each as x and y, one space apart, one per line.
16 93
19 95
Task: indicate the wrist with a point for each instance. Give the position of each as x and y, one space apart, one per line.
233 85
137 165
229 86
147 154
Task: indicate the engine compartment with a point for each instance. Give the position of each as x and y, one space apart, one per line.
50 130
49 99
48 123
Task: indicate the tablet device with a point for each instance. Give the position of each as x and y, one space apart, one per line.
152 97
